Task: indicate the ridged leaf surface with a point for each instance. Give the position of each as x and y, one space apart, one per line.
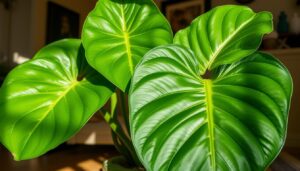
118 33
235 121
47 100
224 35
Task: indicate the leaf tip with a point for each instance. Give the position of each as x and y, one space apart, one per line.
267 17
20 156
16 157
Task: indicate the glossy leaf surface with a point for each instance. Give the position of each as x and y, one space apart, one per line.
235 121
224 35
118 33
47 100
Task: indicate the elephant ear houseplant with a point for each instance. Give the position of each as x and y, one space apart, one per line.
205 99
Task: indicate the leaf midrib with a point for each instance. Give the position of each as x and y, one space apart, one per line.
210 122
221 47
50 108
126 40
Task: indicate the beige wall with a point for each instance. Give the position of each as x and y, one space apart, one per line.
274 6
20 27
14 26
27 33
4 16
39 15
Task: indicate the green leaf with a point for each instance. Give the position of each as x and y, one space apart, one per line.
235 121
118 33
225 35
47 100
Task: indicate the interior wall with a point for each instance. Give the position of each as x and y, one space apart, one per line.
4 15
23 27
19 28
39 18
14 26
274 6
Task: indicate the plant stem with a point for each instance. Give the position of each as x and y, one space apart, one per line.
122 142
128 144
119 146
125 112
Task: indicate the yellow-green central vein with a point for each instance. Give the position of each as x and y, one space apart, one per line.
127 42
50 108
210 121
223 44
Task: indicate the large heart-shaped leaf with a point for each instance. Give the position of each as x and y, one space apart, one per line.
235 121
118 33
47 100
225 35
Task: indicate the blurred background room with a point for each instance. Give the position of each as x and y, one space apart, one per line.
28 25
